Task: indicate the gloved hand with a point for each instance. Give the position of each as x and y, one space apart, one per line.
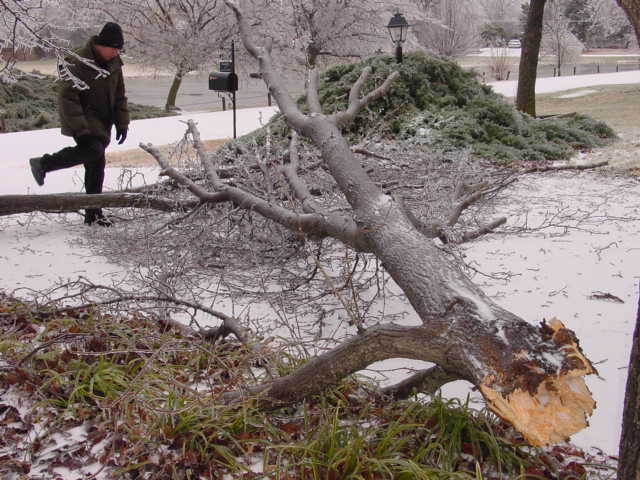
121 135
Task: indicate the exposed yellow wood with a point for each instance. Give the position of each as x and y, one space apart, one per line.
561 404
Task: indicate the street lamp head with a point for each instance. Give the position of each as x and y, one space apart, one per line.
398 28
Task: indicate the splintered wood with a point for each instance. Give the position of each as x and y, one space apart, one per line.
561 404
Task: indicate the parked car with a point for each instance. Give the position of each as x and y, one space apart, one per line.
514 43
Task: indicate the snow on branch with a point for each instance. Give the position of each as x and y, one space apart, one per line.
25 26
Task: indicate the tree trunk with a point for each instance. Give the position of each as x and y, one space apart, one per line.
70 202
173 91
527 75
629 464
632 9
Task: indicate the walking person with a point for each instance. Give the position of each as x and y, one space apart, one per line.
89 115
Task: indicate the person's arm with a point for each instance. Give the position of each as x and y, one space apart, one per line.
71 111
121 108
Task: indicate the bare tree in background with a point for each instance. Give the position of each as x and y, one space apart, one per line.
500 62
447 27
499 21
499 10
598 23
318 32
557 38
175 35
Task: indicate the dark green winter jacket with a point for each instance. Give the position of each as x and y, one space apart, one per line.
95 110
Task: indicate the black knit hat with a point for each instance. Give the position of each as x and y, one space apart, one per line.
111 36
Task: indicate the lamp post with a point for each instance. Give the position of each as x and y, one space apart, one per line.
398 28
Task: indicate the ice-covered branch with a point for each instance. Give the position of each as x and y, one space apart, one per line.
312 92
310 223
300 189
356 103
274 84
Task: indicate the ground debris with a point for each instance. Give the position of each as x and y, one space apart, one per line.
609 297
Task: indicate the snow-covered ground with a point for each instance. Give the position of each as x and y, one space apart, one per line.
515 52
555 275
556 84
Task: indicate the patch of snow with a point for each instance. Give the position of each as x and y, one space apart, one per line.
552 360
497 52
579 93
508 88
610 55
482 307
382 204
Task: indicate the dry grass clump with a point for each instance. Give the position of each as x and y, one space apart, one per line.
137 157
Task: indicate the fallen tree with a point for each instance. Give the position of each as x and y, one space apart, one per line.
529 375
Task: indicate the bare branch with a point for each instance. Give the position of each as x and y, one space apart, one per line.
427 381
290 171
205 159
171 172
285 102
465 203
367 153
490 227
356 103
557 168
312 92
312 223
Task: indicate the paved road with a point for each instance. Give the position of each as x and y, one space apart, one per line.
145 88
194 93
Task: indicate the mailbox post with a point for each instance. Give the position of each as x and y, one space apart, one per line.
226 80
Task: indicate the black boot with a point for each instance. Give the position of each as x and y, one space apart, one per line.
104 222
37 170
95 216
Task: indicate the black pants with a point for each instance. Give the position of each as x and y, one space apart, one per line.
89 151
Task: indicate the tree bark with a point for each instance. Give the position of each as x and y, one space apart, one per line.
632 10
173 91
527 74
629 457
69 202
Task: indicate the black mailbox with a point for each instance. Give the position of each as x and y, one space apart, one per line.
223 81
